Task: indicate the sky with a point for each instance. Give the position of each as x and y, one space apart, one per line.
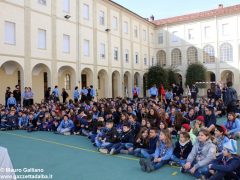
169 8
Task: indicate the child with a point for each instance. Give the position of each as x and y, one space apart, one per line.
197 125
233 125
153 138
226 165
142 142
12 120
135 126
106 137
187 128
126 138
66 126
182 149
162 125
203 152
3 120
162 155
22 120
220 138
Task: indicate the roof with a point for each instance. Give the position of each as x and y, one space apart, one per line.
220 11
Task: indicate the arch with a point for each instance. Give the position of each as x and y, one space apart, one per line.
161 58
86 77
116 84
226 52
227 76
127 85
176 57
180 79
192 55
67 79
137 79
102 84
208 54
41 80
11 71
211 77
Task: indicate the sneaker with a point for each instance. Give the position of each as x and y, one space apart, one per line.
142 163
67 133
124 151
149 165
103 150
112 152
173 163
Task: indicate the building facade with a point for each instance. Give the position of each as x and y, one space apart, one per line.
71 43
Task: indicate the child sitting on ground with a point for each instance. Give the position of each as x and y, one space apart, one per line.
126 141
227 165
203 152
162 155
66 126
182 149
197 124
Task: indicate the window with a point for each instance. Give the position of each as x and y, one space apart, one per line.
192 55
161 58
174 36
66 43
115 23
67 82
225 29
41 39
125 27
10 33
207 31
86 11
176 57
126 56
190 34
102 51
66 6
145 59
208 54
226 52
136 58
115 53
160 38
101 18
86 47
144 35
135 31
42 2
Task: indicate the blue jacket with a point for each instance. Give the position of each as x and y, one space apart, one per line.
11 100
23 121
234 128
231 165
163 151
67 124
56 92
84 92
92 92
220 142
76 94
153 91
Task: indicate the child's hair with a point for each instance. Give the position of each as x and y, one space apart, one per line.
139 135
233 114
205 132
165 124
168 140
185 135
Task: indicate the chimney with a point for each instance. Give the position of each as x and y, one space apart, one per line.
220 6
151 18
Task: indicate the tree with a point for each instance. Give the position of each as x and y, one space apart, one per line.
157 75
196 72
172 76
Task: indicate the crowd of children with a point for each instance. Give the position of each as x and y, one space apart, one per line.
180 132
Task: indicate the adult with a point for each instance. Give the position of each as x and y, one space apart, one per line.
231 98
64 95
135 92
194 91
55 93
153 92
92 92
7 95
76 94
17 94
47 94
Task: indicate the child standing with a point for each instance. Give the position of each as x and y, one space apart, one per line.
162 155
182 149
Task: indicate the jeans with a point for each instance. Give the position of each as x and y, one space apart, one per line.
101 144
181 162
226 176
160 164
119 146
145 153
200 171
63 130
